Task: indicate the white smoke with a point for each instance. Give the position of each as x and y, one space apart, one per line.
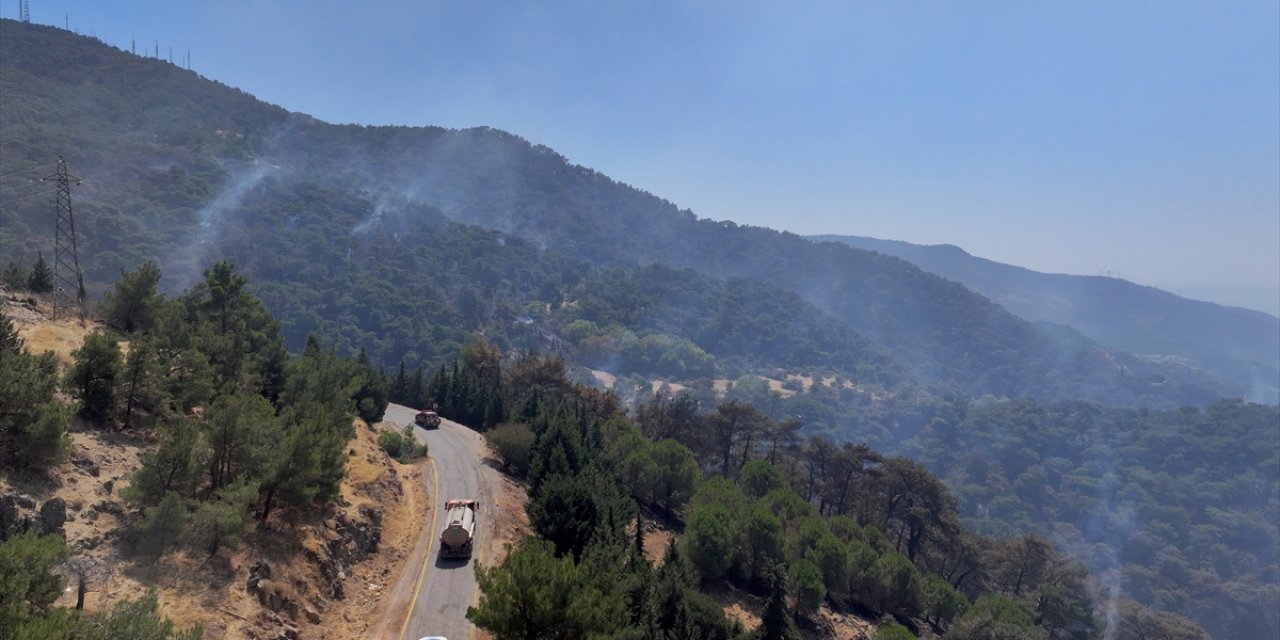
1111 524
189 258
374 219
211 214
1110 579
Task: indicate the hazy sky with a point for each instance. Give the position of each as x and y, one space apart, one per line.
1140 139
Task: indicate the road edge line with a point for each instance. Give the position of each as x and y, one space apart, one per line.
422 573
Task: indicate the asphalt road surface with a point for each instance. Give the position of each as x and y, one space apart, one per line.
444 588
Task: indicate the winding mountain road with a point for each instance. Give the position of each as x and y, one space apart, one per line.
442 589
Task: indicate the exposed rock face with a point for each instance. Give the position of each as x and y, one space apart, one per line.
270 595
86 464
354 540
8 515
109 506
347 539
53 515
18 515
259 571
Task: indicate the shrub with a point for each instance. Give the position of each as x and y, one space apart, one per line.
512 443
392 443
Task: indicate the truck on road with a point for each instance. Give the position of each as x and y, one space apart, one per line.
459 529
427 419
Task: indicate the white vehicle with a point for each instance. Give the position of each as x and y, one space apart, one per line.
460 527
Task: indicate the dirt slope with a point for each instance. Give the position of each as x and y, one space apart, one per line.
317 576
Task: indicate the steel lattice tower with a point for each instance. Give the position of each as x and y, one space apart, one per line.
66 260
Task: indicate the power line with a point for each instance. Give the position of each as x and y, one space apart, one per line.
23 186
18 186
34 169
5 203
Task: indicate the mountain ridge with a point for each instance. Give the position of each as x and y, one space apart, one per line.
1236 343
159 190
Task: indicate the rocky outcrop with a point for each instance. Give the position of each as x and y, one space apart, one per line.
345 539
53 515
19 515
354 539
349 539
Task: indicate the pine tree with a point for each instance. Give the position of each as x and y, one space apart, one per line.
310 460
10 341
29 585
41 278
807 586
131 305
371 397
436 391
532 594
173 467
33 423
241 432
141 384
222 521
417 390
92 379
163 525
14 277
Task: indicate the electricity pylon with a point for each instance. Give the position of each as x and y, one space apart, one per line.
66 260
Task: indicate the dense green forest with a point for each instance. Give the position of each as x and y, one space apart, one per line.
404 244
1111 486
792 522
1173 506
243 431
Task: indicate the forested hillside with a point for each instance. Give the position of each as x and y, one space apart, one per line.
799 526
178 169
408 243
1234 344
238 444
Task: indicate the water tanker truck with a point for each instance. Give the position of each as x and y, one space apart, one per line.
459 529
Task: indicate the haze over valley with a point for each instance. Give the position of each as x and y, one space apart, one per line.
840 436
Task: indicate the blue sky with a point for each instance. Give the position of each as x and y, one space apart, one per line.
1140 139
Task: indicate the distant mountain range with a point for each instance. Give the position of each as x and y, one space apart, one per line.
1237 344
404 240
1264 299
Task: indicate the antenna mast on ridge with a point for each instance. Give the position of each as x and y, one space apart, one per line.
66 259
24 10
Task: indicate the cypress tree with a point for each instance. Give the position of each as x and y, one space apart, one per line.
775 624
399 391
41 278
